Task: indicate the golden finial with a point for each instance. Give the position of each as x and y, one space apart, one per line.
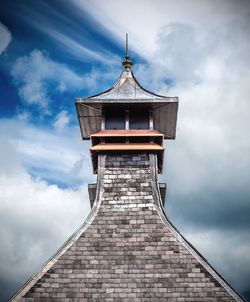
127 63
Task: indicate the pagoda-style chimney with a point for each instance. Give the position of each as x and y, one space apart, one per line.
127 249
127 118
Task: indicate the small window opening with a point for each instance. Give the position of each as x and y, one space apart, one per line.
139 119
114 119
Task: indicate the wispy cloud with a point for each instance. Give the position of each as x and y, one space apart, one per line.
36 74
38 78
119 17
48 153
79 50
5 37
68 30
62 120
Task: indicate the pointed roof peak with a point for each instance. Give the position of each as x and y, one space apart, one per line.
127 63
127 87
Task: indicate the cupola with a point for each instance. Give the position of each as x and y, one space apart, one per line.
127 117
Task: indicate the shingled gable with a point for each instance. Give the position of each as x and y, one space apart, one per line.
127 249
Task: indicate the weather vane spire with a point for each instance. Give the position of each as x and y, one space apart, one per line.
127 63
126 45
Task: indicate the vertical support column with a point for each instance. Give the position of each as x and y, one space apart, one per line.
103 120
127 124
151 120
127 119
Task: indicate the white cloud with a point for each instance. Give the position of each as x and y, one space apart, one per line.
46 216
62 120
5 38
36 72
35 217
228 251
70 33
213 119
143 19
23 116
37 76
79 50
49 154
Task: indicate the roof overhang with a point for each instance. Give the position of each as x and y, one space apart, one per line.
164 113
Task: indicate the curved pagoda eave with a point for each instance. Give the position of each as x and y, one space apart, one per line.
127 92
127 88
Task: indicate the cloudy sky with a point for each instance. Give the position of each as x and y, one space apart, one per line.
53 51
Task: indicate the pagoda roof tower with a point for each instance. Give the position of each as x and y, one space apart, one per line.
127 249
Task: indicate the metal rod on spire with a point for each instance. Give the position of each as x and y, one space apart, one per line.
126 45
127 63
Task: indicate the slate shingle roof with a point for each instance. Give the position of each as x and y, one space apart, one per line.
127 250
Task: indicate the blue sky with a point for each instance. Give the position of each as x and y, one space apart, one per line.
54 51
71 49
